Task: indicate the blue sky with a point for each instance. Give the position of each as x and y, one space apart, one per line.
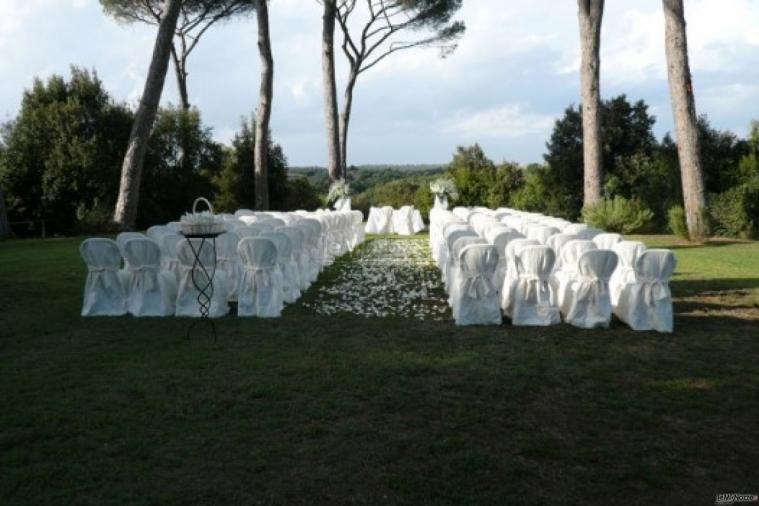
515 71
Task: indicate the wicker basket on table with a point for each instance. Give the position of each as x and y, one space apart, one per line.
201 222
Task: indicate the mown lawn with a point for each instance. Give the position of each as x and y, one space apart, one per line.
317 410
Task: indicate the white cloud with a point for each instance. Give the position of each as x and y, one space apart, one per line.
515 70
507 121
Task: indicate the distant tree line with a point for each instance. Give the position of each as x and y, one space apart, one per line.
640 185
60 161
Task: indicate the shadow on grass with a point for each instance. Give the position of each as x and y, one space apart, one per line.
711 287
708 244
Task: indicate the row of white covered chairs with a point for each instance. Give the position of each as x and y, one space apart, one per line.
386 220
537 270
261 262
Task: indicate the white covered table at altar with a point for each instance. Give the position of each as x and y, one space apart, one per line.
386 220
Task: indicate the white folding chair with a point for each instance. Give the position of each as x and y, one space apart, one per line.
104 289
476 299
534 302
511 275
646 303
567 270
587 300
627 253
607 240
260 290
151 291
228 260
286 266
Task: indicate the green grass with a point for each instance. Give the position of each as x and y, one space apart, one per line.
317 410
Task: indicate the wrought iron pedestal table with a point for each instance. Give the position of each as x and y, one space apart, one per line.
204 286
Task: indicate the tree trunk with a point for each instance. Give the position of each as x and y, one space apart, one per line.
125 215
590 14
180 70
5 227
345 117
263 113
330 91
686 123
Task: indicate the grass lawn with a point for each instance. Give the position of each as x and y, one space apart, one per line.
311 409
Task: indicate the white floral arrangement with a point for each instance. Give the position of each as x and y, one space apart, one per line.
338 190
201 222
444 187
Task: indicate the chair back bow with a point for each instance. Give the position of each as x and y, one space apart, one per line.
97 272
654 290
259 275
591 289
477 285
144 275
536 288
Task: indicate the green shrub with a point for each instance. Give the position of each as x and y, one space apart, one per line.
676 222
618 215
424 199
735 212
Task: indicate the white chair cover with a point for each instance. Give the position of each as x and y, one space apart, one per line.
379 220
299 255
417 223
607 240
151 291
272 222
187 297
567 272
501 241
589 233
104 291
315 247
286 265
512 275
534 302
541 233
260 290
357 236
169 246
442 249
476 299
453 263
587 299
556 242
402 221
157 231
574 228
228 260
627 253
499 228
450 239
122 238
646 304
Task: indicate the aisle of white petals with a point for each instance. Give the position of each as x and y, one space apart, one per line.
384 277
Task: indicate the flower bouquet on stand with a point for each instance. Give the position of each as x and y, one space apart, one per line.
339 193
443 188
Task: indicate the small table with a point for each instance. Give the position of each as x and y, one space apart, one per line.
205 290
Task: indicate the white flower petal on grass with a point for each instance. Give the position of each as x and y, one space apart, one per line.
385 277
